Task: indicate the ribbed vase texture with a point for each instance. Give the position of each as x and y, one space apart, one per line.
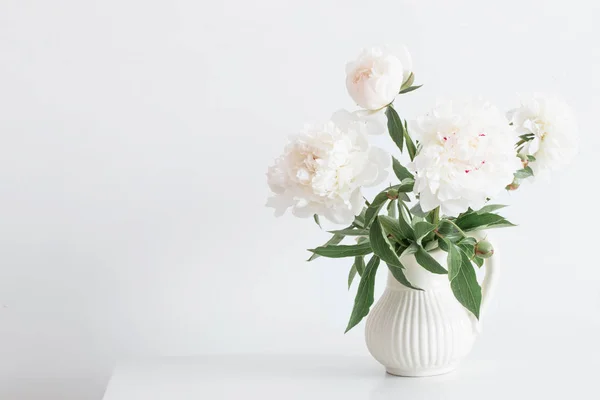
420 333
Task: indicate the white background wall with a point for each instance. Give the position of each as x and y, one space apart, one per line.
135 136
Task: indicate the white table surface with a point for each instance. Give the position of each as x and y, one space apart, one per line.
535 376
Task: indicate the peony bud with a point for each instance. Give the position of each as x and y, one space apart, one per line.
513 186
392 194
374 79
484 249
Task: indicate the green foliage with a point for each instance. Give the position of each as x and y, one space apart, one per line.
382 198
359 220
490 208
476 221
428 262
410 89
317 221
392 210
407 185
410 146
404 224
411 249
381 245
340 251
351 275
395 127
331 242
422 229
448 230
400 170
478 261
407 232
351 232
454 259
364 296
418 211
467 245
401 277
408 82
465 287
392 227
359 263
523 173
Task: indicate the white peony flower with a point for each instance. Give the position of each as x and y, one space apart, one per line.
554 129
467 155
323 169
374 79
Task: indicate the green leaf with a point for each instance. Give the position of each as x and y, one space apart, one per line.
524 173
401 277
443 243
467 245
408 82
412 249
500 224
392 209
351 232
469 240
392 227
316 218
530 158
351 275
428 262
490 208
359 263
465 287
333 241
406 185
467 248
341 251
410 146
431 245
469 222
448 231
404 224
376 205
359 220
364 295
479 261
418 211
454 259
395 127
410 89
422 229
433 216
381 245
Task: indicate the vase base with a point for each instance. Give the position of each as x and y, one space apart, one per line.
421 372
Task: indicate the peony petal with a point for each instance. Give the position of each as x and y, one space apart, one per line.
379 162
375 121
453 208
428 201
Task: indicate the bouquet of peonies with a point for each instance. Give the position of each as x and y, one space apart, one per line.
462 154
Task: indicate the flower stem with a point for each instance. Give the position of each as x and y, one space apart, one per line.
436 215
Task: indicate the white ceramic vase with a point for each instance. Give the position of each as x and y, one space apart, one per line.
424 333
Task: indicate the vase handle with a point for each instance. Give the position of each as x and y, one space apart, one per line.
487 287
